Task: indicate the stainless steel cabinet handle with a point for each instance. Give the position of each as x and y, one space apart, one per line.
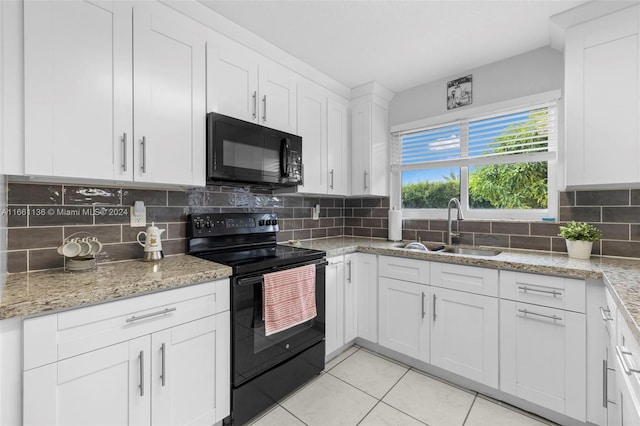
152 314
141 358
331 173
552 292
605 385
163 375
434 308
423 305
255 104
622 351
264 108
349 271
365 180
527 312
124 152
144 154
606 314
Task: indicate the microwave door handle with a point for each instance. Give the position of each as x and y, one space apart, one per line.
285 154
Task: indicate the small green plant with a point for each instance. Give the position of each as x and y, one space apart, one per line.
580 231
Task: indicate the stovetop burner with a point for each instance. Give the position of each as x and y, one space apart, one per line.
244 241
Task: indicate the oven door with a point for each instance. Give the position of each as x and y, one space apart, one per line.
255 353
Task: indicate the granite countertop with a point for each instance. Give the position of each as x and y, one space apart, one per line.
621 276
32 293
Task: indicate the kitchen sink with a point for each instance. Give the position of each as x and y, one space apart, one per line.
417 246
472 251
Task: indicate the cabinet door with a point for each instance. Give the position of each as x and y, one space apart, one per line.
312 126
108 386
602 59
543 356
334 305
277 103
232 81
190 382
169 88
464 334
404 318
361 149
78 97
350 299
365 272
338 148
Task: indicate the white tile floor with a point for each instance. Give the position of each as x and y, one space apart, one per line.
362 388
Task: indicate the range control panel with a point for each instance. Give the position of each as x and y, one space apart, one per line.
214 224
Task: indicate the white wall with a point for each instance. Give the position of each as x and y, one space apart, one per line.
533 72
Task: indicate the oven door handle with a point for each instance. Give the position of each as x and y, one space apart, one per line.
250 281
257 279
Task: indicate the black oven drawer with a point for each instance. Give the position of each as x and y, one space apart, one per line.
255 353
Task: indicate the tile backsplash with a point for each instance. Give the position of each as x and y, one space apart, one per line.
57 211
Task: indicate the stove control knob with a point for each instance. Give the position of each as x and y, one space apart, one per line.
261 222
274 221
208 224
268 222
198 224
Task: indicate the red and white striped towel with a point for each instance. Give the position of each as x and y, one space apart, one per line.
289 298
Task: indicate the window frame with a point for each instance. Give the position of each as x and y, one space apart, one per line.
551 99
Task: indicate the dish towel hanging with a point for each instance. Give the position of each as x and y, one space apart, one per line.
289 298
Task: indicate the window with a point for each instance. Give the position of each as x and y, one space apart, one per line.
500 166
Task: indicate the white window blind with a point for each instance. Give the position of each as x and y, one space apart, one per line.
522 135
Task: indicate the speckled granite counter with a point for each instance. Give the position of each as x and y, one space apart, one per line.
620 275
33 293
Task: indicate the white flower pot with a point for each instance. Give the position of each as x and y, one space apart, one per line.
579 249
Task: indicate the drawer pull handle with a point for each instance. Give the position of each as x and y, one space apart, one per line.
606 314
349 270
622 351
152 314
551 292
527 312
141 358
163 376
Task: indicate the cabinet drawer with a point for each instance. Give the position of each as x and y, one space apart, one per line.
58 336
543 290
400 268
471 279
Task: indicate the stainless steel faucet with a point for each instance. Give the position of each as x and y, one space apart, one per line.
456 203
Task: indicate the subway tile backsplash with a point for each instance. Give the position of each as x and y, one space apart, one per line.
58 211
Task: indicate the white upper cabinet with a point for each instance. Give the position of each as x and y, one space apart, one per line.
370 140
169 89
602 88
277 98
312 126
78 100
245 85
84 62
232 81
338 158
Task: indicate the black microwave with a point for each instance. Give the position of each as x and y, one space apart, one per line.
243 152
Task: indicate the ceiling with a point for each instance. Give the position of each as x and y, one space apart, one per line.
399 44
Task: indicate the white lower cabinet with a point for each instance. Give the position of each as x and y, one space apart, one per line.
364 268
340 304
464 334
627 365
404 322
542 356
163 363
334 304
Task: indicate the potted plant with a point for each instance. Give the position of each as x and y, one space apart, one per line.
579 237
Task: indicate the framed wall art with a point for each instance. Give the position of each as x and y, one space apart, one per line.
459 92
